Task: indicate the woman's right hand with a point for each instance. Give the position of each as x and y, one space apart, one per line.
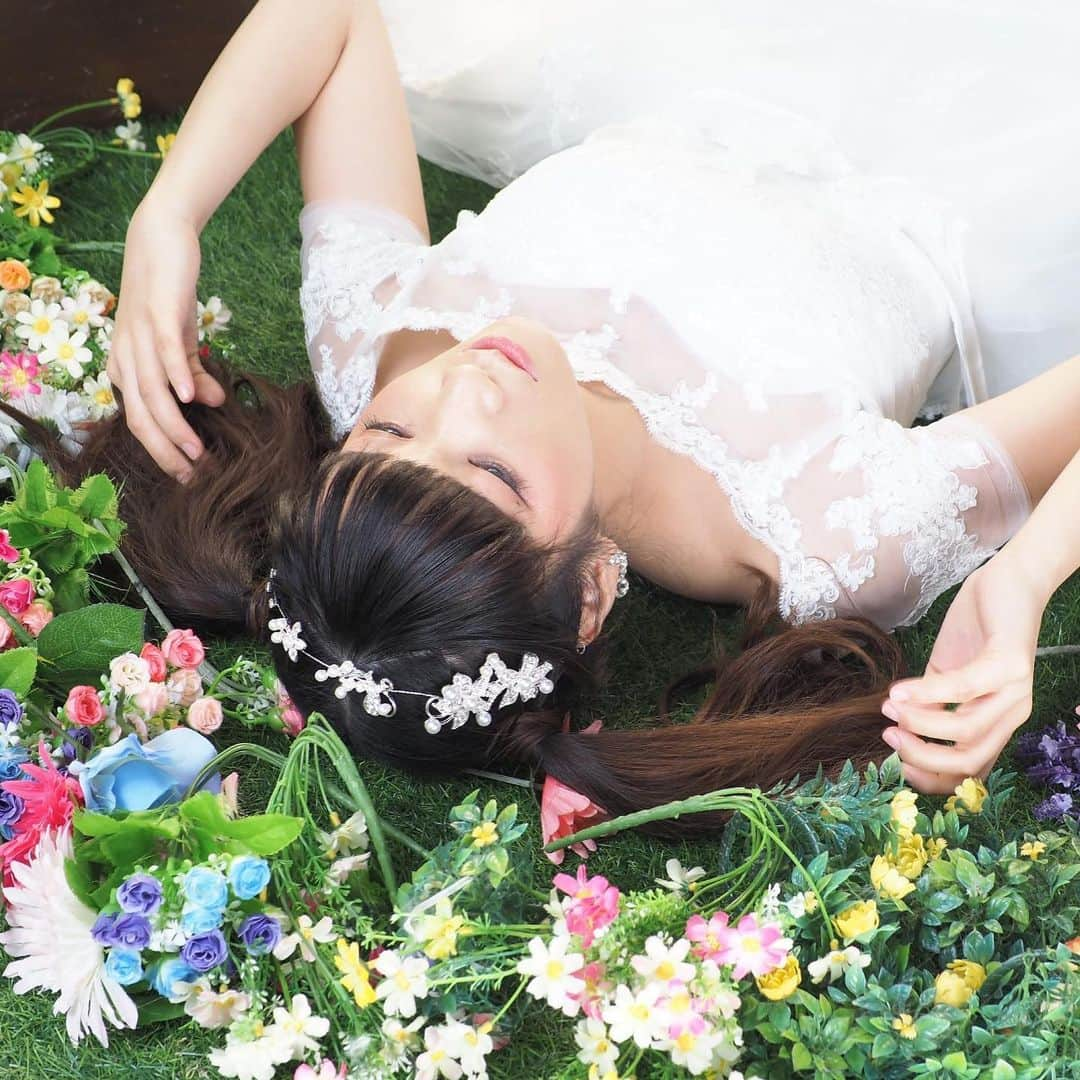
983 660
155 338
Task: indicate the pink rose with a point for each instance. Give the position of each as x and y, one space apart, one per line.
155 661
205 715
35 617
183 649
153 700
184 686
83 706
230 794
7 552
7 636
16 595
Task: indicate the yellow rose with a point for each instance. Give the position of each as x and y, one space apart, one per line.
781 982
969 797
904 811
911 856
955 985
887 880
860 918
935 847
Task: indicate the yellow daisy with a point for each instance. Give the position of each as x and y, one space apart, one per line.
35 203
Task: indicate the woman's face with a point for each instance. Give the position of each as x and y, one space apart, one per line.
520 439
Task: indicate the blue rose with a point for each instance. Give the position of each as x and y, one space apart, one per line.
11 808
11 712
198 920
163 977
140 894
204 887
11 761
248 876
122 930
204 952
131 775
124 965
259 933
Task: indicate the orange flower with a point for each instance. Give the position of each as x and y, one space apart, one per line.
1073 945
14 275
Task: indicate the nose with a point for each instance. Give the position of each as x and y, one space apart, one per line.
468 391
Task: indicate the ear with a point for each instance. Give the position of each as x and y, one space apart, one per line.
601 580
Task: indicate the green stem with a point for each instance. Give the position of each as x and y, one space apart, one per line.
155 154
115 247
17 628
509 1001
40 126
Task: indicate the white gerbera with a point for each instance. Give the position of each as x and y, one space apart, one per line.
211 317
49 933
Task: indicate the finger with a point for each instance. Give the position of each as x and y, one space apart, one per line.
930 783
155 394
157 444
173 356
968 723
982 676
932 757
208 390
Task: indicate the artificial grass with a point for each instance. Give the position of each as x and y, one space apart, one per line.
250 257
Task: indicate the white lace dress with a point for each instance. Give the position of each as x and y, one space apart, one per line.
778 320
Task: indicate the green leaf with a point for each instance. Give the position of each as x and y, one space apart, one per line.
157 1009
17 669
77 646
80 882
266 834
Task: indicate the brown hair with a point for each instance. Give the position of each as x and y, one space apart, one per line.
408 573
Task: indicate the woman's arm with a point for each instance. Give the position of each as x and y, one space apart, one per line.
329 67
984 656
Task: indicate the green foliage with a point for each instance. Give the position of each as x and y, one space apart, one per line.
76 647
58 526
17 670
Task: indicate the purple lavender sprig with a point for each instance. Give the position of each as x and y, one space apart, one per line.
1052 757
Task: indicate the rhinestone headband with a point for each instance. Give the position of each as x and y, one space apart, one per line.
461 698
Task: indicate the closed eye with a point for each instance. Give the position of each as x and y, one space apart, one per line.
500 472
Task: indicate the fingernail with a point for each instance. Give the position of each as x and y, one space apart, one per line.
191 449
185 393
892 737
889 710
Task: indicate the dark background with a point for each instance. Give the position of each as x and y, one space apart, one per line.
61 52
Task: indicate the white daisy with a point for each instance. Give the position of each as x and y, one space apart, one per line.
596 1047
634 1016
834 962
100 399
129 134
405 980
66 350
297 1030
679 879
83 311
211 318
24 150
302 937
662 962
38 323
49 933
438 1058
554 974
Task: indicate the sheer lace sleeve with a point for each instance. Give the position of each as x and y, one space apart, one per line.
355 258
891 517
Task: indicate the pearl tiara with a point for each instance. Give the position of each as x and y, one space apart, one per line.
461 698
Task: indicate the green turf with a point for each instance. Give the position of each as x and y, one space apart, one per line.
251 259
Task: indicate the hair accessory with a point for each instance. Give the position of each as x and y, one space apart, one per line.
461 698
622 586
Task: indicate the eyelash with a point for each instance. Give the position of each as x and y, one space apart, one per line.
501 472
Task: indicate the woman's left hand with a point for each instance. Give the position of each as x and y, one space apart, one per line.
983 660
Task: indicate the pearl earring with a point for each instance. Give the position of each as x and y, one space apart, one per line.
619 559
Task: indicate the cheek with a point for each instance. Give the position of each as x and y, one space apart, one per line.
565 475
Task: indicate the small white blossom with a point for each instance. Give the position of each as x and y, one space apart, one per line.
67 350
835 962
296 1029
595 1045
302 937
82 312
400 1039
208 1007
404 980
211 318
129 135
662 962
634 1016
679 879
770 902
38 323
554 972
25 151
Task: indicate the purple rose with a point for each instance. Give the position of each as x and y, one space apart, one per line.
140 894
124 930
11 712
11 808
260 934
205 951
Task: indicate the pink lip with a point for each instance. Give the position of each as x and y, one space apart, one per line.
511 350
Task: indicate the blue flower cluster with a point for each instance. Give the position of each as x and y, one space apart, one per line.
12 757
206 895
1052 757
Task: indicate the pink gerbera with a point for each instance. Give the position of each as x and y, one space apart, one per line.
564 811
751 948
19 373
49 798
594 903
707 936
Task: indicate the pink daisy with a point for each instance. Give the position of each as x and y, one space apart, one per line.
751 948
18 374
707 936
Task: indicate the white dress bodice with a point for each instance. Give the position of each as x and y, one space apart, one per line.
770 314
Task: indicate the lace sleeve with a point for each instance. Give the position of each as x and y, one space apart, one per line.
891 516
355 258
